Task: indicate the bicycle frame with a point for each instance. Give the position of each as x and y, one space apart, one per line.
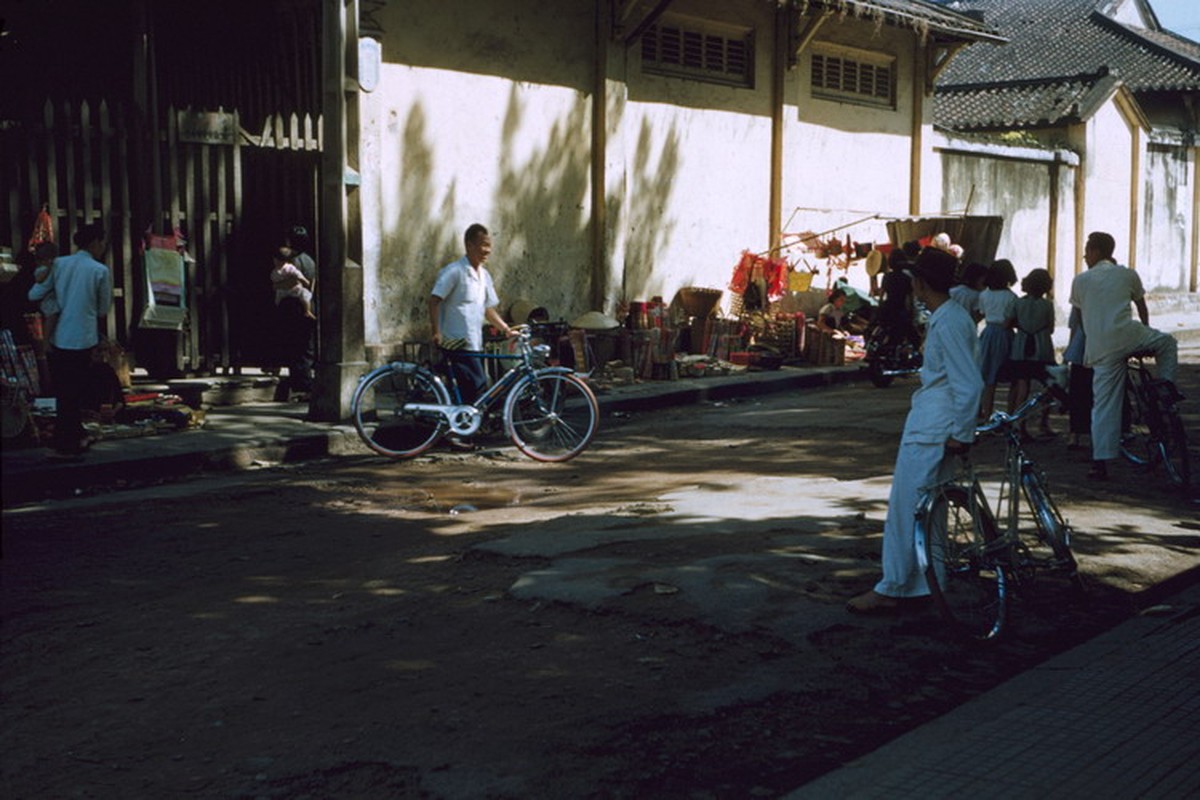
983 559
1151 432
465 419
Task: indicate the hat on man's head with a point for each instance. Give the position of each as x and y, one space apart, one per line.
936 268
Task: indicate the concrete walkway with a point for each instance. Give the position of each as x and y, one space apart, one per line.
1113 718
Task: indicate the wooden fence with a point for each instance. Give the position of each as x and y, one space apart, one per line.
87 164
76 163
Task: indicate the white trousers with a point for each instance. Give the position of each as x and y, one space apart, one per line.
1108 390
917 466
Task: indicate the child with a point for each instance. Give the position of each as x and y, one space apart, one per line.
289 281
44 255
998 305
1032 349
967 291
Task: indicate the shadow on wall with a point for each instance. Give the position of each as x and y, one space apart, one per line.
542 214
542 218
416 244
649 229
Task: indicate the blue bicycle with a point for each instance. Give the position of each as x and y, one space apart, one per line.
402 409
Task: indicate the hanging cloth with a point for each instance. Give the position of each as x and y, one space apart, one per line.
43 229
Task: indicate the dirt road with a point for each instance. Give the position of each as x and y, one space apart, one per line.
661 617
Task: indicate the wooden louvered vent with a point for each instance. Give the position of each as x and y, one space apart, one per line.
703 53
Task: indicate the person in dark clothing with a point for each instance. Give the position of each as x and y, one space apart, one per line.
895 313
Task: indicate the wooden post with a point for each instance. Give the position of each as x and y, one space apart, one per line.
603 34
779 62
1194 272
1135 185
920 53
1052 222
340 359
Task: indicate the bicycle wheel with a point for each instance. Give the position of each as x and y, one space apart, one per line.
875 373
1137 442
1052 528
967 583
384 418
1175 450
551 415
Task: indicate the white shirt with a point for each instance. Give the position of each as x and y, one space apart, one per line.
467 293
1104 295
997 305
946 404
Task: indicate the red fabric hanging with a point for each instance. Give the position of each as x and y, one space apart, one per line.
43 230
741 273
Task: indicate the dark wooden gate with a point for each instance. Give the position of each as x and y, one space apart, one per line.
232 200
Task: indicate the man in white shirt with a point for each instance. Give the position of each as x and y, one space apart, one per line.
1103 296
83 286
940 426
463 298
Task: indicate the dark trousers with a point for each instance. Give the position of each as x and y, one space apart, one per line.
295 349
1079 390
467 369
70 370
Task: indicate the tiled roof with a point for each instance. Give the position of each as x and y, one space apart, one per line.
1021 104
1052 43
913 13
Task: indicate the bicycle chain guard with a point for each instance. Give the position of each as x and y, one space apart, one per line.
464 420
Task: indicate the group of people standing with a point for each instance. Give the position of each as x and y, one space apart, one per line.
961 369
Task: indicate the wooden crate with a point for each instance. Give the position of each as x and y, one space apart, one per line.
822 349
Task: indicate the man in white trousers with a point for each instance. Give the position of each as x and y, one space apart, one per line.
1103 296
940 426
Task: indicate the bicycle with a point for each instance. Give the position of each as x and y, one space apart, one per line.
401 409
973 560
1152 432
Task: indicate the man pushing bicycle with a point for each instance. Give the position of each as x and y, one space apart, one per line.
462 299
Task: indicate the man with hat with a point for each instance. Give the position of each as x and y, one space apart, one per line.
940 425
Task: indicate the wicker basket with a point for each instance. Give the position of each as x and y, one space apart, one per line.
697 301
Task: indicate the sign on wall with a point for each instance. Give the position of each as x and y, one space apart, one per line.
208 127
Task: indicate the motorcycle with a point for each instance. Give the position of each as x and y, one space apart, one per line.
889 355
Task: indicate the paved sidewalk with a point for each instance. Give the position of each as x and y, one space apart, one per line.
239 436
1113 718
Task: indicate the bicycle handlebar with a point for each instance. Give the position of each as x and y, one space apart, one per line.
1051 390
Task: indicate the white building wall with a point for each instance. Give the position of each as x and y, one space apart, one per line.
844 161
482 115
1165 243
696 163
1108 172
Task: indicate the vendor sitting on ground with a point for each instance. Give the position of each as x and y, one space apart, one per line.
860 307
832 317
